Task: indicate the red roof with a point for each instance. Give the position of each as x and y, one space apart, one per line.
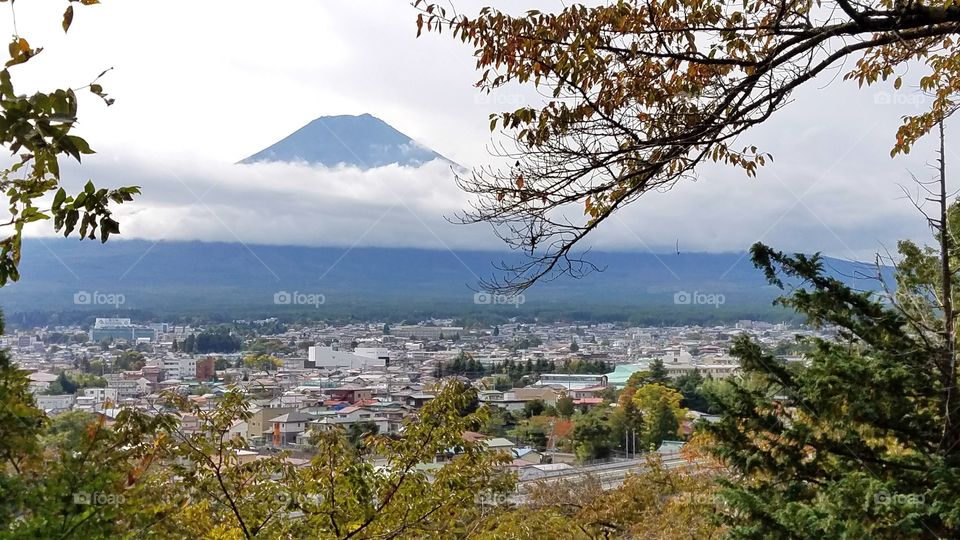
364 402
588 401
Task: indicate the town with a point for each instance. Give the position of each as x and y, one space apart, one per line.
542 380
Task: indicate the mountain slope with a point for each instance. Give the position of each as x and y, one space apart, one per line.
182 277
362 141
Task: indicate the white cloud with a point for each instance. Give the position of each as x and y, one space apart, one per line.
200 85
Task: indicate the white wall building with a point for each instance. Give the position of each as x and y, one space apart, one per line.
58 403
101 395
180 368
333 358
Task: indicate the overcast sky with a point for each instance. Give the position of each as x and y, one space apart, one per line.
202 84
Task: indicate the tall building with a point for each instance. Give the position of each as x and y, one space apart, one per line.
180 368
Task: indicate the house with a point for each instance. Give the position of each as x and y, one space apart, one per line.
127 386
387 420
258 423
546 394
499 443
512 401
528 455
350 394
239 429
588 402
586 393
101 395
55 404
40 381
418 400
286 427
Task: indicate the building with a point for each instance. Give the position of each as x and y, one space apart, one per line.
180 368
350 394
127 388
205 368
258 424
333 358
426 332
55 404
102 395
572 381
285 428
40 381
120 329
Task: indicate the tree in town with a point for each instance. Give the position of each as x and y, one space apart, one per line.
565 406
129 361
658 373
639 95
359 432
218 340
574 347
639 378
689 384
63 385
534 407
661 410
626 421
339 494
261 362
150 476
592 435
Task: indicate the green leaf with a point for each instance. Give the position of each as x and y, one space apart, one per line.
59 198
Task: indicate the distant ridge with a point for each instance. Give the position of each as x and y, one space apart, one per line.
363 141
236 278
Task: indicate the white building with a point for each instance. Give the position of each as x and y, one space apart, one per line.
127 388
180 368
101 395
40 381
55 404
334 358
